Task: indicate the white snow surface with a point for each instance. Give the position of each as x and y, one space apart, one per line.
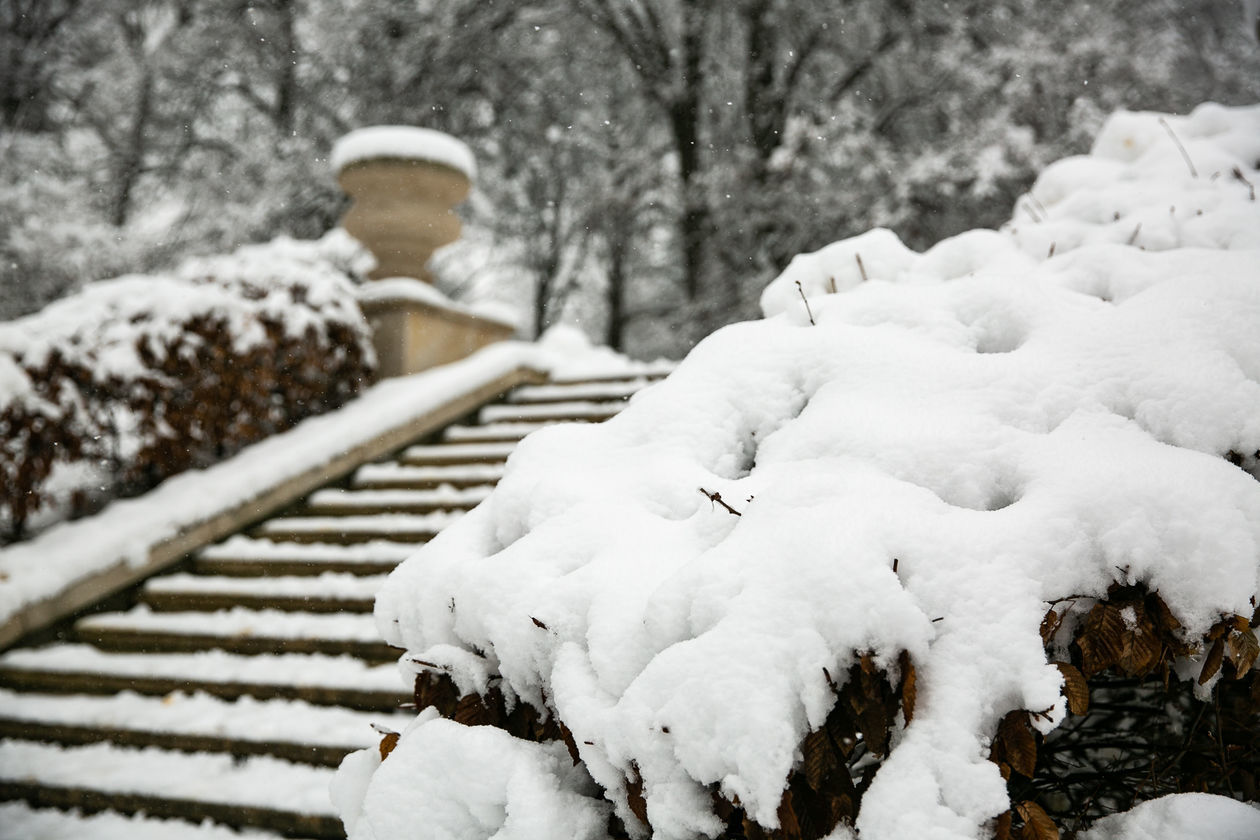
418 291
526 791
1183 816
1005 426
406 142
239 622
303 669
328 585
197 713
257 780
19 821
240 547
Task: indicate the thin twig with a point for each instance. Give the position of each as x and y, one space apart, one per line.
1032 210
1193 172
1238 174
1133 237
861 268
716 498
807 309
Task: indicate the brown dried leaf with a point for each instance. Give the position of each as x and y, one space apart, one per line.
1212 663
1075 688
1050 625
909 687
820 758
1102 639
634 795
1243 651
1015 744
473 710
388 742
1142 652
1037 823
789 824
570 744
1165 622
1002 831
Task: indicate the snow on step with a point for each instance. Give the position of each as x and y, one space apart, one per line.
200 714
246 555
400 527
210 666
335 501
239 622
644 373
259 781
494 431
326 586
457 453
590 391
19 821
396 475
559 411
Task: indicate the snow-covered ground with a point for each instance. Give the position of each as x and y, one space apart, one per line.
914 453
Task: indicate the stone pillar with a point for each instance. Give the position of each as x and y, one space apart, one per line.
405 183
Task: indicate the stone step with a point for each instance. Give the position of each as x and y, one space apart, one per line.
254 792
19 821
559 412
453 454
313 678
237 630
351 530
643 376
329 592
247 557
390 476
610 391
338 502
492 432
287 729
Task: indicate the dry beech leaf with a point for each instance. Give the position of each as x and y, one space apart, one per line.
1075 688
1002 831
1142 651
1243 651
1015 744
909 687
1037 823
634 796
1102 640
1050 625
388 742
820 758
1212 663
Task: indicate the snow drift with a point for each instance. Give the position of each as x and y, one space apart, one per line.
902 467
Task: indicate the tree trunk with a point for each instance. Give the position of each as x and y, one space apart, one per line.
130 158
286 79
684 118
615 334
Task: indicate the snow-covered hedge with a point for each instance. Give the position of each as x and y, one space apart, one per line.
856 569
131 380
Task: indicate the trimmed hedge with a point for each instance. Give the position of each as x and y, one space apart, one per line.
112 390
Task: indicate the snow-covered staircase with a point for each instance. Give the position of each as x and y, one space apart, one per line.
232 687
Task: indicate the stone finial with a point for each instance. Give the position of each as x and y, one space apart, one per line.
405 181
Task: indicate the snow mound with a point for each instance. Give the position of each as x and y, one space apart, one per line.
405 142
1185 816
913 465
